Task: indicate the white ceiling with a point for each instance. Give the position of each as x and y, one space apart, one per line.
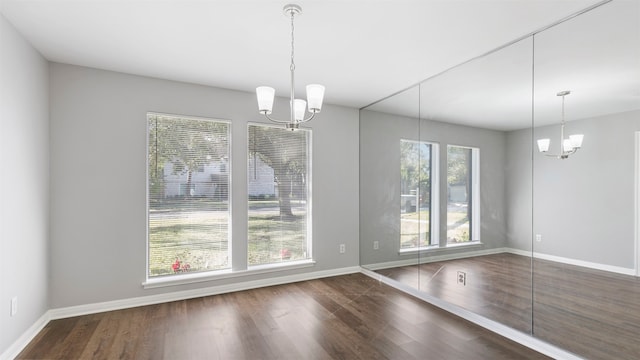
360 50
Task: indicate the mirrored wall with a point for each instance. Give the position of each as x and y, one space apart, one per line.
458 201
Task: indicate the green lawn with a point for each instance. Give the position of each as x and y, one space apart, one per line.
195 233
274 240
414 225
201 243
457 227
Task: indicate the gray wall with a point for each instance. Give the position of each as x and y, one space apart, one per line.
24 184
380 136
98 152
583 206
518 175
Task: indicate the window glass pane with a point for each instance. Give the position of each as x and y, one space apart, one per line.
415 194
188 199
459 194
279 195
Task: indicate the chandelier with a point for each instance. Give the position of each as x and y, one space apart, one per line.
315 92
567 146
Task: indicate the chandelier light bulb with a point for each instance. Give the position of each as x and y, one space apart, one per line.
299 108
543 145
315 95
576 140
265 96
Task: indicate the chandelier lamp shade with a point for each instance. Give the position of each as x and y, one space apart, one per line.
315 92
569 145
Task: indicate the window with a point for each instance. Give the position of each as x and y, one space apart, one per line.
462 194
188 195
279 169
418 224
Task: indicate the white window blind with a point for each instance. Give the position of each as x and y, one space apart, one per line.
279 215
188 195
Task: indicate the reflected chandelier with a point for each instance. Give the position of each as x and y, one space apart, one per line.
568 146
315 92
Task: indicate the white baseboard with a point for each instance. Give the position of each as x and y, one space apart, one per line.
434 258
576 262
26 338
467 254
78 310
498 328
71 311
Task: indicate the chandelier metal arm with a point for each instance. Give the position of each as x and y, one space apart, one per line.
564 155
276 120
309 118
313 114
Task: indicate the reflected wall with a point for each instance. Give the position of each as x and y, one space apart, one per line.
457 202
586 293
474 107
434 170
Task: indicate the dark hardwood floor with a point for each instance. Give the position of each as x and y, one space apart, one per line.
594 314
344 317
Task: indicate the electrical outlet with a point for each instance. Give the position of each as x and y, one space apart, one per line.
462 278
343 248
376 245
14 306
539 237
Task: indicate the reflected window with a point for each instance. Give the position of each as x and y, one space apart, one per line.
417 179
462 194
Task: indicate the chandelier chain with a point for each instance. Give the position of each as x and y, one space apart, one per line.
293 65
562 109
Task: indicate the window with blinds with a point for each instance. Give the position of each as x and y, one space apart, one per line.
462 194
188 195
279 215
418 176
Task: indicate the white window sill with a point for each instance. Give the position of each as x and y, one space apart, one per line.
434 248
173 280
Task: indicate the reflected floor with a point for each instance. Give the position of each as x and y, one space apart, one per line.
593 313
497 286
